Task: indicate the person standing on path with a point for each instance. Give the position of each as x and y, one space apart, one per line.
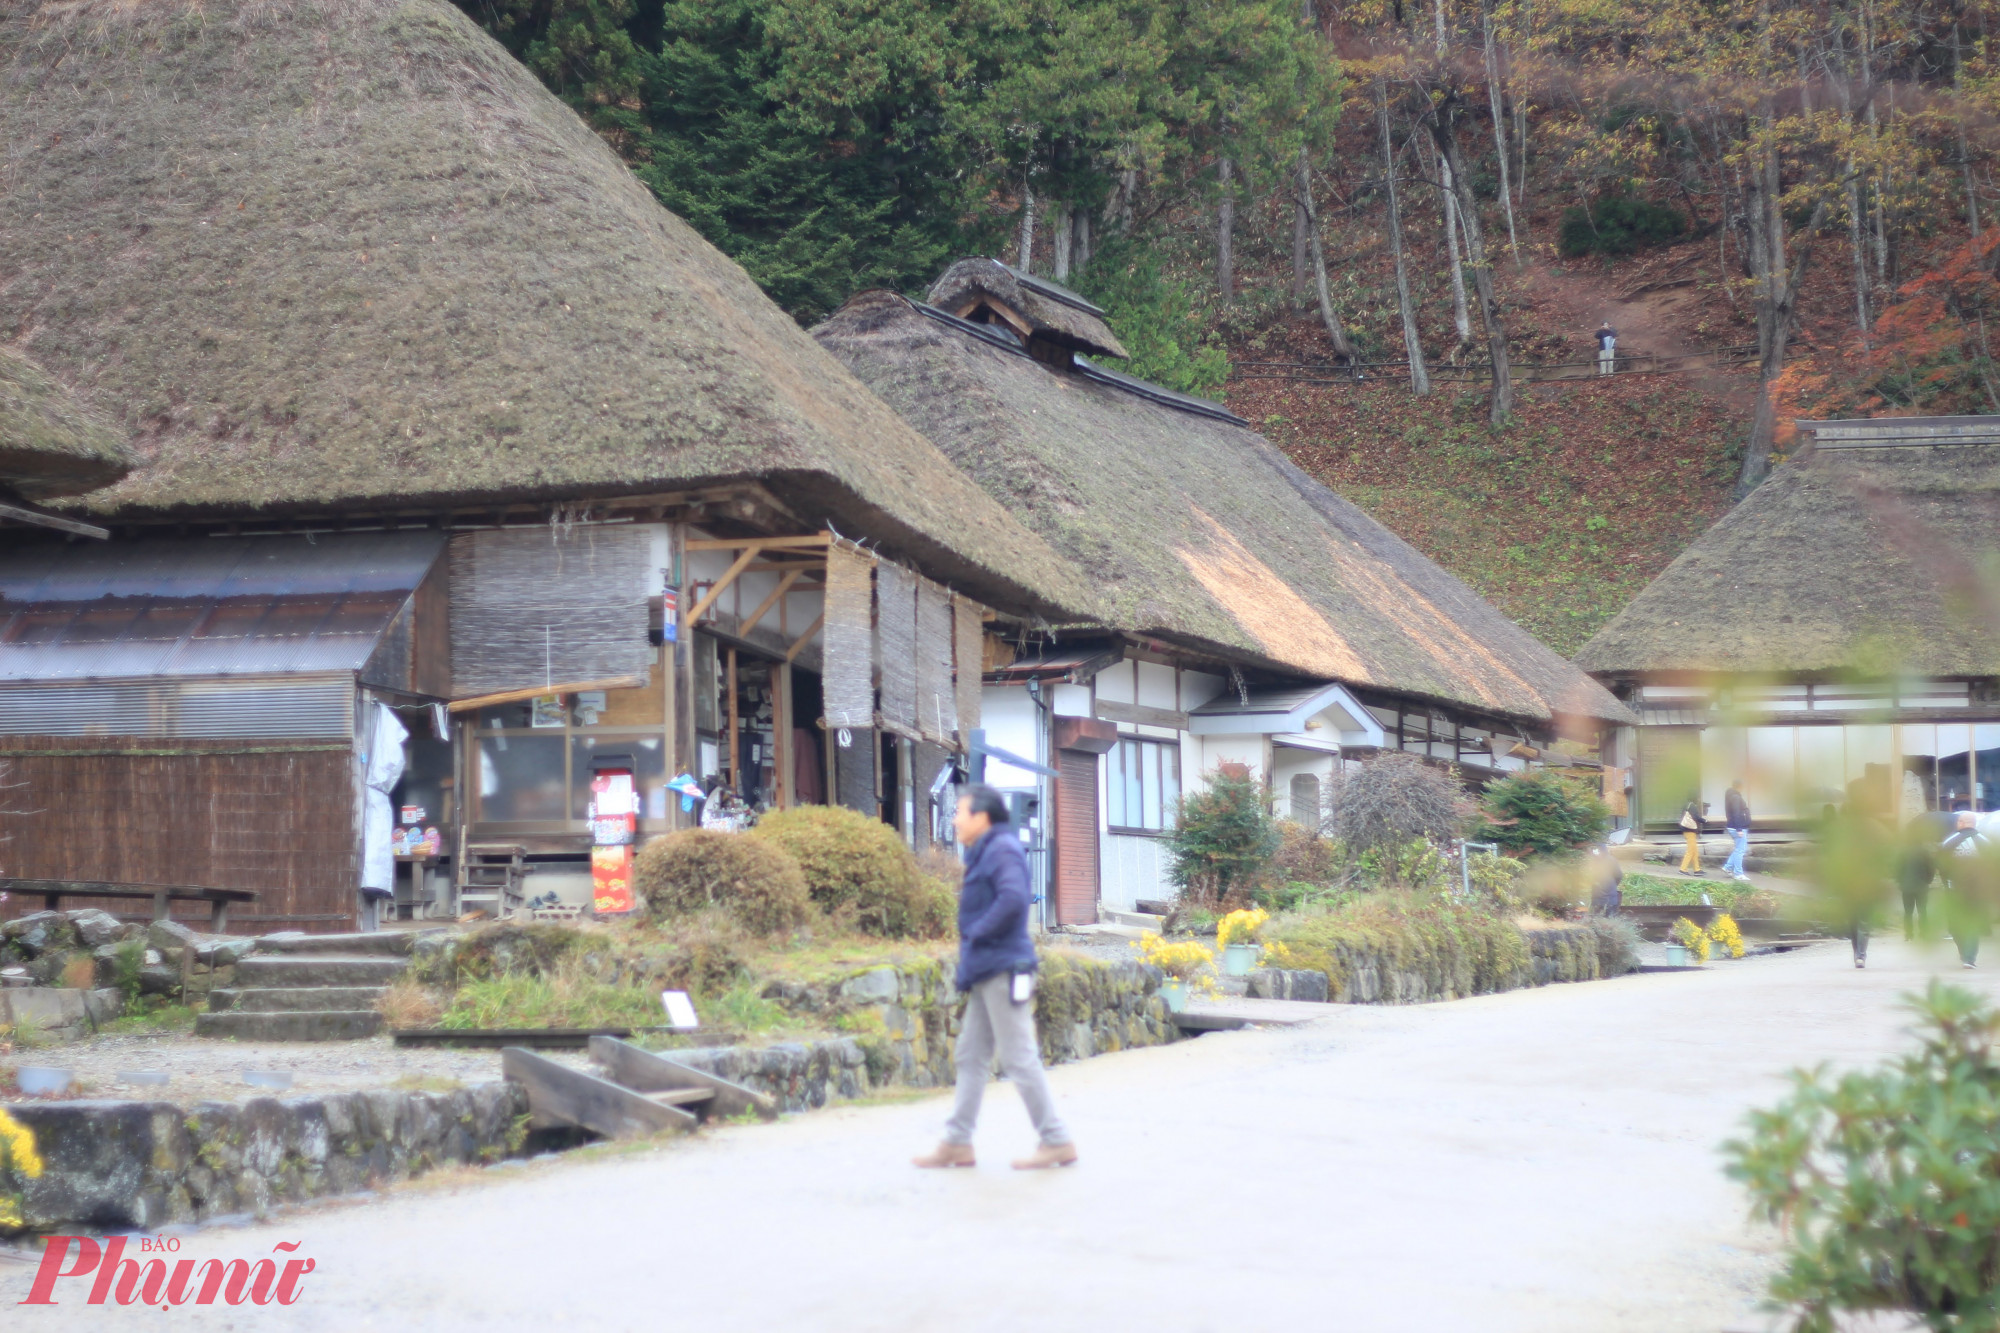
996 970
1916 867
1967 856
1736 818
1691 830
1607 348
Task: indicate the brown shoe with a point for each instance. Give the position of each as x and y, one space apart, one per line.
946 1154
1048 1155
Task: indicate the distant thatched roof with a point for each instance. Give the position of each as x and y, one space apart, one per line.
1879 558
1193 527
49 443
318 254
1055 313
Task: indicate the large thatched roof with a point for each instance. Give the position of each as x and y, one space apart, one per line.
1872 558
339 254
49 443
1194 527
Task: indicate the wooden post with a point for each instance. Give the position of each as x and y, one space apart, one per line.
731 755
781 733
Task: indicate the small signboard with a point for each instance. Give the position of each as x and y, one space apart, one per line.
680 1009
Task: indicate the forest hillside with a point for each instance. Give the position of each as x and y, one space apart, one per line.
1342 218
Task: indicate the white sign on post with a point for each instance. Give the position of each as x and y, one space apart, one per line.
680 1009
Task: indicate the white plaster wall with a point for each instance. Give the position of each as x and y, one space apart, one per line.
1132 868
1156 685
1071 700
1219 750
1197 689
1287 763
1009 717
1115 683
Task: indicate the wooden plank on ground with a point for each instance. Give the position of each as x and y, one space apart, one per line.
561 1097
649 1072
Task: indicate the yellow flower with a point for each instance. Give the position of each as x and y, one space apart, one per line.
1240 927
17 1147
1728 934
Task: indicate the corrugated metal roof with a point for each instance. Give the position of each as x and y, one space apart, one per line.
205 606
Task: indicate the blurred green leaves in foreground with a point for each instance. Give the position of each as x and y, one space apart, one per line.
1887 1182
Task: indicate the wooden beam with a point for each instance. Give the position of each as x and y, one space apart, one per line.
535 691
764 607
560 1098
60 524
769 543
647 1071
799 644
736 567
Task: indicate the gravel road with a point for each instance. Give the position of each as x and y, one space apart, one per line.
1542 1160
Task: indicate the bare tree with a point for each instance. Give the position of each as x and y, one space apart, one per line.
1499 130
1420 376
1303 199
1225 230
1444 123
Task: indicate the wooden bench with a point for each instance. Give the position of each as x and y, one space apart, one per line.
53 891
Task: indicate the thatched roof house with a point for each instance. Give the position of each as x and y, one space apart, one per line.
50 444
1834 638
350 256
1875 550
1194 528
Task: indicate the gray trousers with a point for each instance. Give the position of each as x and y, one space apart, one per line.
994 1024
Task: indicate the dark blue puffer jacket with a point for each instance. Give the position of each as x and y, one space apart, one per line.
993 909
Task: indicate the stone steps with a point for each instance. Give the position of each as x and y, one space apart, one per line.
311 988
316 969
374 943
295 999
339 1025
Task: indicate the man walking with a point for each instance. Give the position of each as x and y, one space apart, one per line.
1607 348
1736 819
996 970
1965 855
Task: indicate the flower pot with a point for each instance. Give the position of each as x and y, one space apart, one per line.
1677 955
1240 960
42 1080
1175 993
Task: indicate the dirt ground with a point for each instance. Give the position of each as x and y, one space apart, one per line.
1542 1160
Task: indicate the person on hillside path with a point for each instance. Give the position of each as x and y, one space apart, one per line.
996 970
1607 348
1691 830
1965 855
1736 819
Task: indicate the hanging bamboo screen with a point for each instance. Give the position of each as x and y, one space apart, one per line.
849 646
968 632
937 708
896 643
533 606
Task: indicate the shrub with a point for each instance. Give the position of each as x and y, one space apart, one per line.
859 871
1240 927
1303 856
1393 800
1617 945
1458 949
756 881
1618 224
1543 811
1223 838
1886 1181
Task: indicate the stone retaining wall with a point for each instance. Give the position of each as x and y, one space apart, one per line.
111 1165
904 1020
1555 954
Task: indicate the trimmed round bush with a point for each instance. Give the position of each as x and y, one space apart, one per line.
858 870
752 879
